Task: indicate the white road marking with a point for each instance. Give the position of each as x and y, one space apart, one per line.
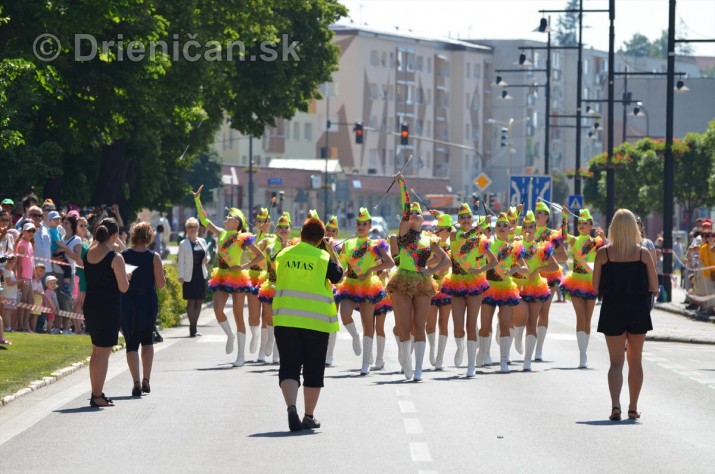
419 452
413 426
407 406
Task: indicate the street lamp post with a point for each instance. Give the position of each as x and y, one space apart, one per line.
250 177
327 153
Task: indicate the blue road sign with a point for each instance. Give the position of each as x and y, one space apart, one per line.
528 189
275 181
575 202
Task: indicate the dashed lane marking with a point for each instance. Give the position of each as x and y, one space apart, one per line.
413 426
419 452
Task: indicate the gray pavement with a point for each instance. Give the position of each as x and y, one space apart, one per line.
205 416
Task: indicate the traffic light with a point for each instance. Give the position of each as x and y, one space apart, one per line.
494 204
404 134
358 132
504 137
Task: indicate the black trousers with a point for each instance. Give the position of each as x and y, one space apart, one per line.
301 348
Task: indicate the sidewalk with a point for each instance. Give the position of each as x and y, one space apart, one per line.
672 322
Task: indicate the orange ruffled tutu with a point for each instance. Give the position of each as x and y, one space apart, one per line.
535 290
579 285
553 278
502 293
257 278
411 284
383 306
370 290
267 291
465 285
230 281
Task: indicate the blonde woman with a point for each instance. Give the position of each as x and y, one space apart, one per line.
624 274
192 259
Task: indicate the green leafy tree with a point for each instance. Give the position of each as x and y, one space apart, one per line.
112 130
659 47
638 46
567 25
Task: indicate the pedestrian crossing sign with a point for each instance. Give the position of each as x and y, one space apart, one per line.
576 202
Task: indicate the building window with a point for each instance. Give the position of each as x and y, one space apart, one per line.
429 96
466 131
392 59
468 69
373 91
383 59
428 128
287 130
419 125
296 130
373 58
420 63
555 63
429 65
308 132
477 71
466 100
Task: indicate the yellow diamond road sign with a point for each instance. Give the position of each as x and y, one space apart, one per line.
482 181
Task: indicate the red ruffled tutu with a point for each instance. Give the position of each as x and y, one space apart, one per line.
553 278
383 306
257 278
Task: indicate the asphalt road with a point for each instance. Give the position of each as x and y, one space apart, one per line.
205 416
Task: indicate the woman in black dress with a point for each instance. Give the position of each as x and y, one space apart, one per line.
624 275
192 259
140 305
106 280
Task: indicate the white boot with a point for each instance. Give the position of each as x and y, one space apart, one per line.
519 339
255 337
487 354
366 351
504 347
332 337
407 358
229 335
400 354
459 355
356 338
432 349
271 340
471 358
482 342
262 350
380 359
530 345
419 358
276 354
582 339
540 338
241 342
441 346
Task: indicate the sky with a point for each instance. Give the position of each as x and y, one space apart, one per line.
514 19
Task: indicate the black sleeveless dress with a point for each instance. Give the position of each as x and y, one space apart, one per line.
140 304
102 301
626 299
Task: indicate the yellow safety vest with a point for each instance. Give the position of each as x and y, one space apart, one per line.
304 297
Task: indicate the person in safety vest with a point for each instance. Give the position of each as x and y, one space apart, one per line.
304 314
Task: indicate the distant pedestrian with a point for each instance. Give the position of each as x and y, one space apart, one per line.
106 279
304 314
192 259
140 305
624 274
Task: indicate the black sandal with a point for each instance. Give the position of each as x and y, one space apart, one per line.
633 415
146 388
615 416
107 402
137 389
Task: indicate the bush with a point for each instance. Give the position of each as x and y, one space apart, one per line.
171 305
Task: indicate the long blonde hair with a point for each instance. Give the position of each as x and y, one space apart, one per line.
623 234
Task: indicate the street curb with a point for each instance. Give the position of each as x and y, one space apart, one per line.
56 375
64 372
678 339
674 309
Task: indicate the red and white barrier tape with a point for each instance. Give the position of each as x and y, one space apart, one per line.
49 260
43 309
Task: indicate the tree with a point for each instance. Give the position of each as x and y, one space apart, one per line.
561 188
659 47
639 46
567 25
113 130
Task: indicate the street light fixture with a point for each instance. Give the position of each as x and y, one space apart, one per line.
499 82
505 95
680 87
543 26
523 61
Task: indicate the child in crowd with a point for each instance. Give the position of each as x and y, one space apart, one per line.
9 296
50 301
37 320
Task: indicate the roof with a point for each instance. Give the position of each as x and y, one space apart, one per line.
447 43
306 164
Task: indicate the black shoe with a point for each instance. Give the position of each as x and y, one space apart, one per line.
293 419
137 389
157 336
146 388
310 423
